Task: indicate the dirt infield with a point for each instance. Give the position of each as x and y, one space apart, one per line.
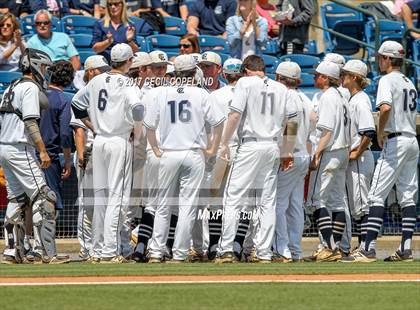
40 281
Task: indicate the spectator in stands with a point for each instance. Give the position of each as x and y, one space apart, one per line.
296 30
114 28
175 8
266 10
55 127
188 44
210 16
56 44
11 42
18 9
81 7
246 31
52 6
407 11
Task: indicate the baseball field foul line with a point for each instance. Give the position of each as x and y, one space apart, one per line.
108 280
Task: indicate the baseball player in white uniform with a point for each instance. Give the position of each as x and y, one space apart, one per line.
345 244
19 138
253 175
215 176
290 183
180 113
115 112
158 65
327 184
361 162
396 134
83 137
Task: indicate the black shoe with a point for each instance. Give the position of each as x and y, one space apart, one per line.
139 257
398 256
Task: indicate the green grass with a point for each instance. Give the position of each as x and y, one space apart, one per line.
80 269
215 296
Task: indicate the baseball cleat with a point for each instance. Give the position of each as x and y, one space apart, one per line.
155 260
93 260
32 258
56 260
9 260
177 261
225 258
398 256
328 255
83 255
116 260
211 256
194 257
277 258
313 256
360 256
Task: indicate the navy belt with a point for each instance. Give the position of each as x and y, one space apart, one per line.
394 134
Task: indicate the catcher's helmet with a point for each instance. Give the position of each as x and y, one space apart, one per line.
32 60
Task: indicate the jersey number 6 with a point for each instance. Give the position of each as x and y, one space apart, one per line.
103 96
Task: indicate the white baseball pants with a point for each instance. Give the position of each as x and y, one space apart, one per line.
252 182
289 211
396 165
86 203
112 176
187 169
327 183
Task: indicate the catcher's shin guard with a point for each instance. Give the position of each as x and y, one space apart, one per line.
44 220
14 227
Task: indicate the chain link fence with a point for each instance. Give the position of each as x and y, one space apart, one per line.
67 219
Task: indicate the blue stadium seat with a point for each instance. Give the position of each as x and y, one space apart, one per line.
163 42
76 24
217 44
307 80
82 41
416 58
6 77
142 43
175 26
28 24
271 63
343 20
388 30
271 47
84 55
306 62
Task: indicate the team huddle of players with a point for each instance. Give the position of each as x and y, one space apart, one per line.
220 174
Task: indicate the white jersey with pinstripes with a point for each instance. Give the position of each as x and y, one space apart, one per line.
334 116
262 103
180 114
361 117
397 91
109 99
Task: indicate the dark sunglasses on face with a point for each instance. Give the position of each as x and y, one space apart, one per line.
45 23
185 45
110 4
6 26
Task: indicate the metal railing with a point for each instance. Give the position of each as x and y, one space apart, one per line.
346 37
405 41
